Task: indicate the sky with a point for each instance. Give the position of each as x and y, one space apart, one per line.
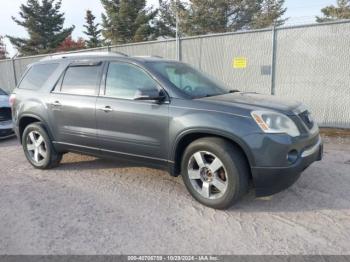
298 11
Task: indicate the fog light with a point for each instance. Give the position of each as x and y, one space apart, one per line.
292 156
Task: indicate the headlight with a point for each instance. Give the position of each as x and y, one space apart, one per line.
273 122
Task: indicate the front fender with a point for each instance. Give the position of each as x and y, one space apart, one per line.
214 132
229 126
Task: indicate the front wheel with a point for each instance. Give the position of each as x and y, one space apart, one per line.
215 172
38 148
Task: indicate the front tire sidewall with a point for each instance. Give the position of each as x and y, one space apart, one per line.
236 184
40 129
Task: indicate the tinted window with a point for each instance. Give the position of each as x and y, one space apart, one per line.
81 80
189 80
123 81
37 76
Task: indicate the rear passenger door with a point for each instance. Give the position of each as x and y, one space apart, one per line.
73 103
128 127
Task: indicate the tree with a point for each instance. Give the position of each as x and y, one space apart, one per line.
205 16
166 20
240 14
92 31
3 52
127 21
270 13
69 44
331 13
218 16
43 22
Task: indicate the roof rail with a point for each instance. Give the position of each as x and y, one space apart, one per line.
150 56
67 55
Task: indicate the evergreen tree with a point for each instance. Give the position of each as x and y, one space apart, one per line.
3 52
127 21
44 24
239 14
217 16
92 31
166 22
205 16
331 13
270 13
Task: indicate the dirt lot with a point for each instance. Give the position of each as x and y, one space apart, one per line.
92 206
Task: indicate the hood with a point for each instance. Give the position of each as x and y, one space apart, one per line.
4 101
257 102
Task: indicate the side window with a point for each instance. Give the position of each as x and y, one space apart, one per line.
81 80
123 81
37 76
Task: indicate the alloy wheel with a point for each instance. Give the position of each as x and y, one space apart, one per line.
36 147
207 174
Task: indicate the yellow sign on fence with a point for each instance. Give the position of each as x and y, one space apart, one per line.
240 62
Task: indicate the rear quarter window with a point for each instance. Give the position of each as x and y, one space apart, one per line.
37 76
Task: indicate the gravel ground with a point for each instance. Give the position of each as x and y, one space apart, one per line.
93 206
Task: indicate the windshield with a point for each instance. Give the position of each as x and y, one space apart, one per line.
189 80
2 92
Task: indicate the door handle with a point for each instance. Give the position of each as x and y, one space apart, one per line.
107 109
56 103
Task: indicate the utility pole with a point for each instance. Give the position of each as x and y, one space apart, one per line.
178 56
14 68
273 60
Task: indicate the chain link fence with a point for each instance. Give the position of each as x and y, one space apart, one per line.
309 63
313 65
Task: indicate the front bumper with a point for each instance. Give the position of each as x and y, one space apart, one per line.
273 178
6 129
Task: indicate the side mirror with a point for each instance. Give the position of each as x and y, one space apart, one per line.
149 94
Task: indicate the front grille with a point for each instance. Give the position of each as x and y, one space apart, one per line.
5 114
306 117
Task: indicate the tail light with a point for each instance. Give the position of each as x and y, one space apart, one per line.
12 99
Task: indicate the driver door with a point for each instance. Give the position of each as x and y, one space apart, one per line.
127 127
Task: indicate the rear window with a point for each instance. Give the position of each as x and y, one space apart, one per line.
37 76
81 80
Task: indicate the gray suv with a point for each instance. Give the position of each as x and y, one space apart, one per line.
164 114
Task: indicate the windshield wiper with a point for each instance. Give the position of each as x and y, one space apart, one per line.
213 95
220 94
233 91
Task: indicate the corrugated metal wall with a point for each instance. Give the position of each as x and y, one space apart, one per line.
312 64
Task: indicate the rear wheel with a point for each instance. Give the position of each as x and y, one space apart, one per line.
215 172
38 148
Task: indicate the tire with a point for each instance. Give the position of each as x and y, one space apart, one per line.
38 148
224 172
